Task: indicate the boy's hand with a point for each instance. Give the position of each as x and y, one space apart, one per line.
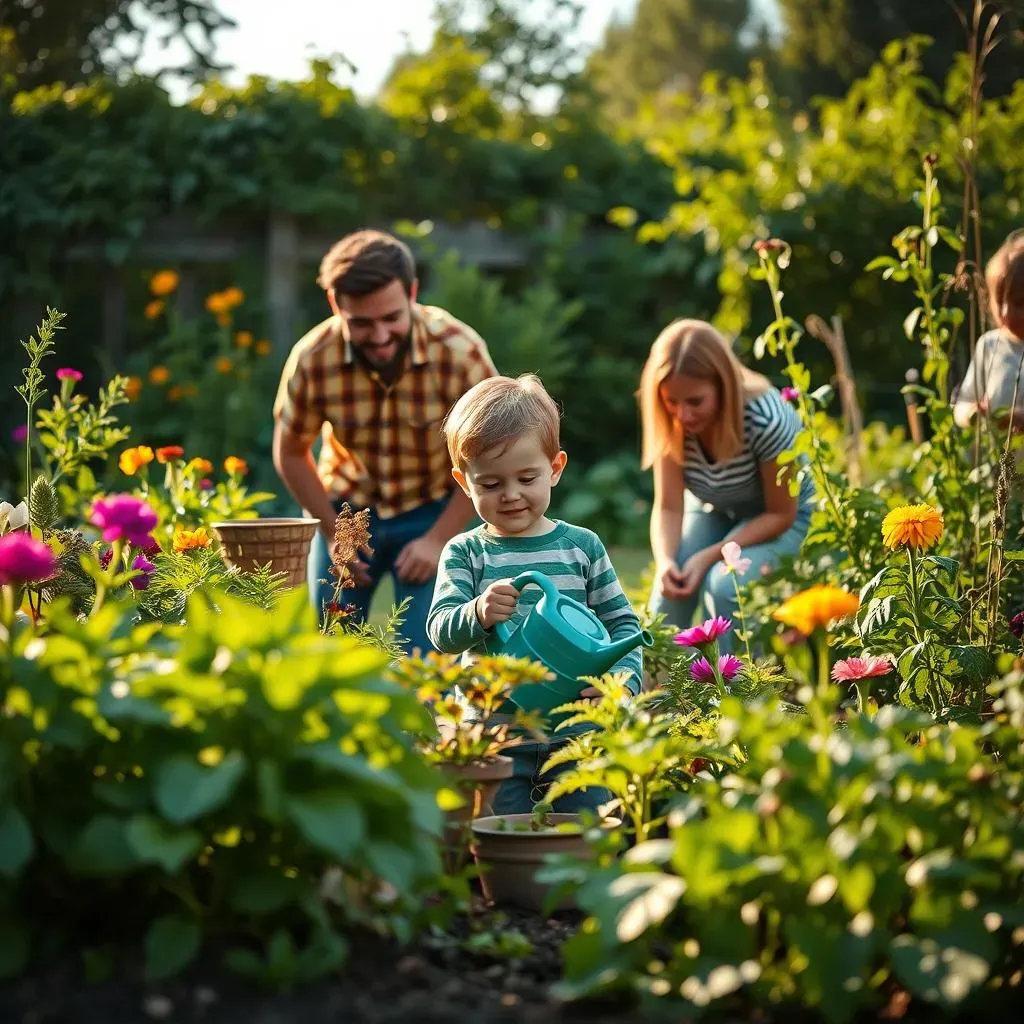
496 604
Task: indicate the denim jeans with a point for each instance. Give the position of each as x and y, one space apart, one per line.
717 594
527 786
387 538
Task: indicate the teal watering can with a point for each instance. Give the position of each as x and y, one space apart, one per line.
566 637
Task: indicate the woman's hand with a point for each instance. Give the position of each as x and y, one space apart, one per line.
668 581
694 570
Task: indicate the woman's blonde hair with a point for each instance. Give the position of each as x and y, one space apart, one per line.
694 349
1004 275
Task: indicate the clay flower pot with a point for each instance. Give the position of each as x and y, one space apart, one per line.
478 784
248 544
509 853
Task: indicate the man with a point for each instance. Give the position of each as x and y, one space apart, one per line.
374 381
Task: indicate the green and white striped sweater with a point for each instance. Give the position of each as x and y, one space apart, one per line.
573 557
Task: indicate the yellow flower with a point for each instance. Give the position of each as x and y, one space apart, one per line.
233 296
189 540
223 365
159 375
816 608
153 309
215 302
263 348
133 388
243 339
163 282
912 526
233 465
133 459
200 466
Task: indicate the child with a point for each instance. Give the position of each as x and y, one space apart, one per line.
992 376
503 439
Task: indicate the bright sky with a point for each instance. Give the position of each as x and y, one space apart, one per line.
278 39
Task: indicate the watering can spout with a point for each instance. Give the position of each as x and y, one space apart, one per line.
613 651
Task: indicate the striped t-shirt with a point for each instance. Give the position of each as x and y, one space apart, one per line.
770 426
572 556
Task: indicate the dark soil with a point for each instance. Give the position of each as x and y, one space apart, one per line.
431 981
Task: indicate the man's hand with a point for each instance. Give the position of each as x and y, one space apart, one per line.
496 604
696 568
360 570
668 580
417 561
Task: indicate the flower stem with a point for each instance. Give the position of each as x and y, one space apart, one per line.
915 607
824 676
743 619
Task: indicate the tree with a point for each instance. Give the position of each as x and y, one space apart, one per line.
830 43
69 41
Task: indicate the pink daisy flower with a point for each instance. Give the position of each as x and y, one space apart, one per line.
864 667
698 636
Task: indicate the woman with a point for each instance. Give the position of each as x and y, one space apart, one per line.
713 431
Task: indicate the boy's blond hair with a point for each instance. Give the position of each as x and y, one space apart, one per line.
497 412
1004 276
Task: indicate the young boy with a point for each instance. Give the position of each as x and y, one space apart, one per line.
503 440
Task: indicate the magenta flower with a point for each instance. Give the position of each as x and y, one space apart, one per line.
124 517
19 433
105 558
23 559
146 567
790 394
68 373
728 666
698 636
861 668
1017 625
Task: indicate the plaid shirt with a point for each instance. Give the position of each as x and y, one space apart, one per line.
382 443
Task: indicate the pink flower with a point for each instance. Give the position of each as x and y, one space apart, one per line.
697 636
68 373
23 559
790 394
731 556
862 668
146 567
728 665
19 434
124 517
206 484
105 558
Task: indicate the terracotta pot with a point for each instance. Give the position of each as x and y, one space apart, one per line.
510 857
478 784
249 544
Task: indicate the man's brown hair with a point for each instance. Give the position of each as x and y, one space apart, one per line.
1004 276
366 261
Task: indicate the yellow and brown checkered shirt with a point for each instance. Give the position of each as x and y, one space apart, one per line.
382 444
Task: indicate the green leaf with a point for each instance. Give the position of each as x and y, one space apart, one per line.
16 843
13 949
653 896
186 789
271 789
263 891
154 842
101 848
331 820
936 973
393 863
171 943
856 886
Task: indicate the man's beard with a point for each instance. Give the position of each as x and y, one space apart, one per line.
392 369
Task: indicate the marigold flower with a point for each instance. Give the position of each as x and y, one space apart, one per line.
244 339
233 296
69 373
133 388
23 559
189 540
133 459
159 375
224 319
912 526
816 608
861 668
199 466
263 348
163 282
215 302
233 465
153 309
697 636
124 517
175 393
169 453
224 365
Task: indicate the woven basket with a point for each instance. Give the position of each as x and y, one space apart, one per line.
248 544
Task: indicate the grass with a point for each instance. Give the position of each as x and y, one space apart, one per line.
629 563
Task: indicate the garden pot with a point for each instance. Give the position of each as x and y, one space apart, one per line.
510 857
248 544
478 783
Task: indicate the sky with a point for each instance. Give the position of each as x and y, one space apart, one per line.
278 39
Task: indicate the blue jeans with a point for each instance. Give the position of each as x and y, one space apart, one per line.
717 594
387 538
527 786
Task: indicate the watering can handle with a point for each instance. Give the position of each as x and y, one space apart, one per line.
524 579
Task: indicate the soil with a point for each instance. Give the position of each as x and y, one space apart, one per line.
428 982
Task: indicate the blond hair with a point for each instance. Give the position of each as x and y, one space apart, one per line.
498 411
694 349
1004 276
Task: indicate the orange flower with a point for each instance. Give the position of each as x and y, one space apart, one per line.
235 465
224 365
168 453
816 608
243 339
189 540
263 348
233 296
154 309
132 460
159 375
200 466
189 390
133 388
163 282
215 302
175 393
912 526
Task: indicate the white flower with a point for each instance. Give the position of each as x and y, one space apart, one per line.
13 517
731 556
